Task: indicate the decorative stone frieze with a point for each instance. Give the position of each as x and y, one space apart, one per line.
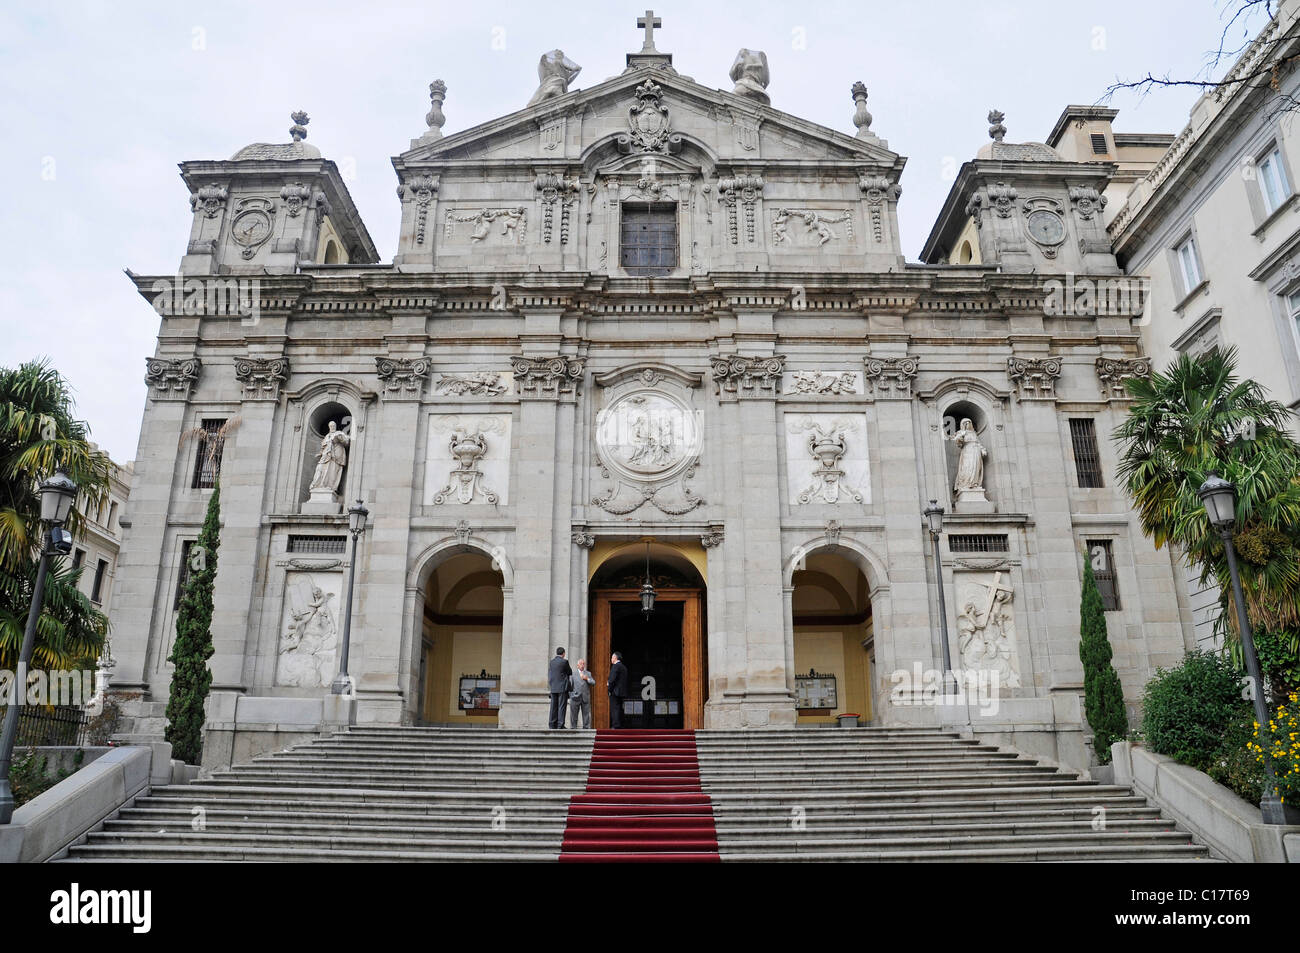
261 378
550 377
1112 373
171 379
891 377
402 378
1034 378
210 200
747 376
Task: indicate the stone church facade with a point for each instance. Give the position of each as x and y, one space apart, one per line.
644 330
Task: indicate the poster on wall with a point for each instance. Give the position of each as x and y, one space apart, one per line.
813 691
480 693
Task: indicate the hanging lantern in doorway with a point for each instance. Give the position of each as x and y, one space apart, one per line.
647 588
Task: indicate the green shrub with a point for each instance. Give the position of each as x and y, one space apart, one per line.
1103 697
1236 766
28 777
1189 709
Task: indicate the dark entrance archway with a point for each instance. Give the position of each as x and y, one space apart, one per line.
665 654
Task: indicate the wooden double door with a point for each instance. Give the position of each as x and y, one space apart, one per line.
664 655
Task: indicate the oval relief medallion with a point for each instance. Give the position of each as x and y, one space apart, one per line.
647 436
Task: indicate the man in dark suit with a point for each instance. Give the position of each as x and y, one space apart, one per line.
557 683
617 689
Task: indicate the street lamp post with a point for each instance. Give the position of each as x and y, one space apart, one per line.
357 514
57 494
934 518
1220 500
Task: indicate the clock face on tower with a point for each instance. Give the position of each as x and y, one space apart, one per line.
1045 227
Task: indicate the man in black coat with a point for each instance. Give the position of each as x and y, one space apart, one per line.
617 689
557 683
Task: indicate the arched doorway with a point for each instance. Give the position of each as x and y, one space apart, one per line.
665 652
461 633
834 639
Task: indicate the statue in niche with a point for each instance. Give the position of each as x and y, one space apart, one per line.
750 74
554 74
307 649
969 484
333 457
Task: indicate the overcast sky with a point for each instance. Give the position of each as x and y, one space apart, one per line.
100 100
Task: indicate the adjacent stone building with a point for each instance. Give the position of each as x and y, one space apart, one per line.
1213 228
644 335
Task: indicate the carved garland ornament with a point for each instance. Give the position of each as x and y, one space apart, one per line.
742 190
553 189
422 189
877 189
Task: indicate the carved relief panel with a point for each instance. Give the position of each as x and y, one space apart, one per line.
309 629
648 438
468 459
826 459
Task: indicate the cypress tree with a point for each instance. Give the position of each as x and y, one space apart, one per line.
1103 697
191 677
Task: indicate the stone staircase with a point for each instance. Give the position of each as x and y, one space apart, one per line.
369 794
454 794
916 794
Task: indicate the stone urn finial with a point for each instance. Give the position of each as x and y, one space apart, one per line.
996 129
434 118
861 118
299 128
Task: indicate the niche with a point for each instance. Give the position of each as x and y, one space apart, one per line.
953 416
333 463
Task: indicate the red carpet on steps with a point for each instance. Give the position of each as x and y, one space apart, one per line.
643 802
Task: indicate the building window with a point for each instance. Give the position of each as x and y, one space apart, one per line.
1293 309
316 544
649 239
207 466
1087 458
78 555
112 515
1099 144
183 576
977 543
1189 266
1273 186
97 590
1103 570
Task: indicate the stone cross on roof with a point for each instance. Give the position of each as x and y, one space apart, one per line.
649 22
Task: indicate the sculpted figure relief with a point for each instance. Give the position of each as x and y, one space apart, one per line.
750 74
554 74
332 459
307 648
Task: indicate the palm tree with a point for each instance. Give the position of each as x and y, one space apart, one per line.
38 433
1198 417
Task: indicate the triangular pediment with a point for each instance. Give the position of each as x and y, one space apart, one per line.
727 128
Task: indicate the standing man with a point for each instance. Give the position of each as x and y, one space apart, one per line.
557 683
617 689
580 697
